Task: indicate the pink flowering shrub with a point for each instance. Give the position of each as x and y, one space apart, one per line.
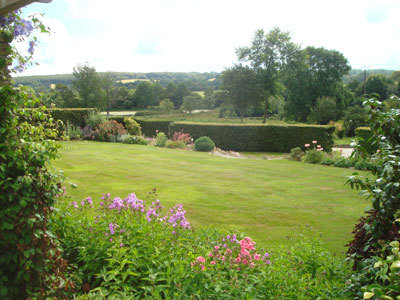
181 136
314 153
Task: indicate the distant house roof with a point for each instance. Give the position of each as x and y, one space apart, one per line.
7 6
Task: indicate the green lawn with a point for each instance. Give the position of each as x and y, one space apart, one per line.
266 199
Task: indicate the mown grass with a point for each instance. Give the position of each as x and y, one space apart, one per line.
266 199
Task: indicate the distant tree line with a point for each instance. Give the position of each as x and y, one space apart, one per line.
274 77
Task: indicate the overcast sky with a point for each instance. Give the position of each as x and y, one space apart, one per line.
202 35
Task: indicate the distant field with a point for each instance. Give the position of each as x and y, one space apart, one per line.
132 80
266 199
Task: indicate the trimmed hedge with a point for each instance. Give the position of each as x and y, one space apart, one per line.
149 127
72 116
363 132
269 138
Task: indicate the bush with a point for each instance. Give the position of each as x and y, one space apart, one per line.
252 138
325 110
313 156
327 161
161 139
181 136
74 132
149 127
343 162
296 154
204 144
179 144
95 119
128 139
132 250
355 116
132 126
31 265
110 131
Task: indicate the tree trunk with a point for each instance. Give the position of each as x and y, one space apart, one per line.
265 111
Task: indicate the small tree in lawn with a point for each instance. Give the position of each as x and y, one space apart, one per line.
166 106
191 103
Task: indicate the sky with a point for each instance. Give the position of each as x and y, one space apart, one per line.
202 35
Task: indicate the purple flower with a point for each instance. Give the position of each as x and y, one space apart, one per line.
112 227
75 204
121 245
31 47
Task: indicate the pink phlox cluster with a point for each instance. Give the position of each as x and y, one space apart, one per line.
117 203
314 143
236 254
176 217
199 263
88 200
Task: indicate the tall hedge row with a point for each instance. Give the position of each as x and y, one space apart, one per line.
72 116
269 138
363 132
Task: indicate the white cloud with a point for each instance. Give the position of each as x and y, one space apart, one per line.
202 35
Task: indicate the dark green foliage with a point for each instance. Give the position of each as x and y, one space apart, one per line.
134 140
383 189
30 262
325 110
365 138
355 116
72 116
269 138
204 144
296 154
149 127
313 156
110 131
132 126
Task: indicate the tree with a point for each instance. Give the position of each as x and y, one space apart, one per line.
378 84
191 103
324 111
269 54
87 84
312 74
107 82
243 86
166 105
181 92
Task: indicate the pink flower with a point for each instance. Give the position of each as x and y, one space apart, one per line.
244 261
216 247
201 259
307 145
252 265
318 146
212 262
203 268
121 245
75 204
223 258
257 256
228 251
237 260
267 262
210 254
314 142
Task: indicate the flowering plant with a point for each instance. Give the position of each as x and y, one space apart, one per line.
14 27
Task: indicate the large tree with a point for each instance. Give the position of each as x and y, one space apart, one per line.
313 74
269 54
243 86
107 81
87 84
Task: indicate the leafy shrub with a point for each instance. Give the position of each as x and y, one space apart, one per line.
132 250
95 119
327 161
204 144
132 126
149 127
379 225
161 139
313 156
325 110
30 262
355 116
110 131
314 153
269 138
180 144
343 162
296 154
181 136
227 111
74 132
128 139
339 129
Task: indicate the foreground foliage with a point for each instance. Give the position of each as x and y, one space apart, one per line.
127 249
